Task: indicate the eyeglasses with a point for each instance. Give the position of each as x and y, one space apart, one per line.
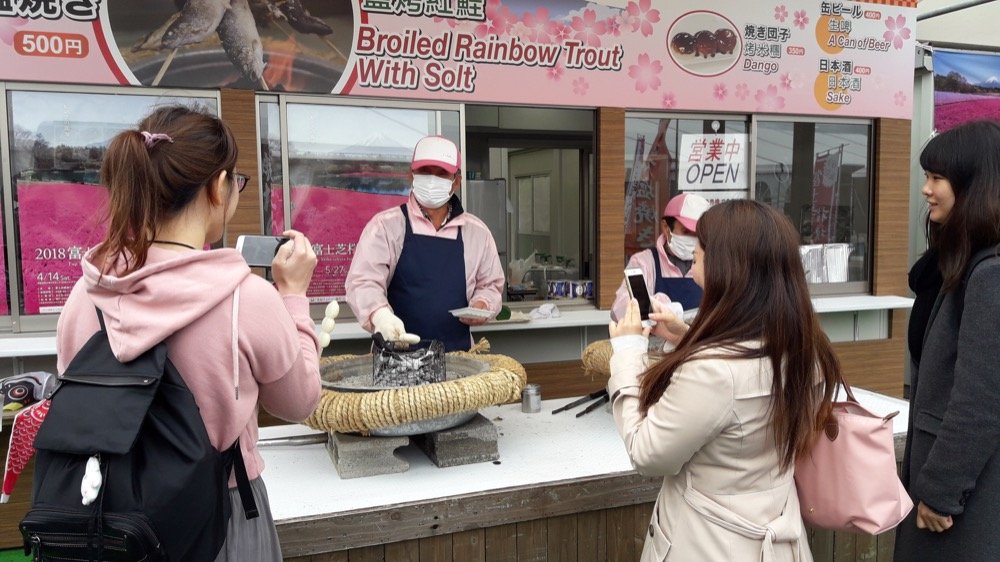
241 181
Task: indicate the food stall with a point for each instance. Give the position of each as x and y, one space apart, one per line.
619 102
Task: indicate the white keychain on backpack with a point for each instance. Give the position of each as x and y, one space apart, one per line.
92 480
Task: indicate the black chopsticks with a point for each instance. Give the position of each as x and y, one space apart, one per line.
601 398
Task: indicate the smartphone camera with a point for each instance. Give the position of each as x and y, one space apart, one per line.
636 284
259 251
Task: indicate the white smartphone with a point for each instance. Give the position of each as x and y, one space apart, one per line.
259 251
636 284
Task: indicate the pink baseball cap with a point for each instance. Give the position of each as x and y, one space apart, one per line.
687 209
436 151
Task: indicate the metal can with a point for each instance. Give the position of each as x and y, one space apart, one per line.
531 399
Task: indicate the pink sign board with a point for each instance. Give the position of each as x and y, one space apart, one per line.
803 57
58 224
4 303
330 217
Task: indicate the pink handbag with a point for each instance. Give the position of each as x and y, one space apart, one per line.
848 482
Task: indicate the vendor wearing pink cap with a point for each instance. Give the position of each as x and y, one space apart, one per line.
667 267
417 261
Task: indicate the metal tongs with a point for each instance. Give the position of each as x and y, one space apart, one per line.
601 398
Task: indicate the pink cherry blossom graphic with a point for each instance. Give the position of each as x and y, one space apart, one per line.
588 29
645 73
613 25
720 91
555 73
536 26
640 17
742 90
580 86
769 100
498 20
558 31
786 81
897 31
780 13
801 19
899 99
668 100
8 27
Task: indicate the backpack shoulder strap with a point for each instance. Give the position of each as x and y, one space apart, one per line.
100 319
235 460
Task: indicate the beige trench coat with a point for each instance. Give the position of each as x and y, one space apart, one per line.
723 496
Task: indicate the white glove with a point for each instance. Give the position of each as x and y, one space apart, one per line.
391 327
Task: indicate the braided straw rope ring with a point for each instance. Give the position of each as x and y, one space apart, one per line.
347 412
597 359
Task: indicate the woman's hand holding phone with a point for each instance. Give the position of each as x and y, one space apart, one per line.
668 325
293 265
630 324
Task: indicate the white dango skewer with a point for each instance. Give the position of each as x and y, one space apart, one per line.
326 328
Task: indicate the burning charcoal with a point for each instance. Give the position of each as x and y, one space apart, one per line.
300 18
197 20
409 368
240 39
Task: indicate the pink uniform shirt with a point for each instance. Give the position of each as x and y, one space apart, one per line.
380 245
644 261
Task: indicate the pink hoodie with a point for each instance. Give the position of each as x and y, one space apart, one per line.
262 349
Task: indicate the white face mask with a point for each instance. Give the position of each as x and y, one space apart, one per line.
682 246
431 191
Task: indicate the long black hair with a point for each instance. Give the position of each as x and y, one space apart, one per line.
968 156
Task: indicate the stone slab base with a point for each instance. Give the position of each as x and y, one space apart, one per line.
472 442
355 456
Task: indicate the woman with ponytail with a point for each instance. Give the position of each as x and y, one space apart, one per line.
236 340
724 415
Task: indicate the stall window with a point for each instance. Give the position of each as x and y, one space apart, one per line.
345 163
535 191
57 141
667 155
818 174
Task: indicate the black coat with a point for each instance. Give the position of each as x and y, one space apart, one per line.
951 461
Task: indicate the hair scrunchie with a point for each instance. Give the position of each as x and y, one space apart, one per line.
150 139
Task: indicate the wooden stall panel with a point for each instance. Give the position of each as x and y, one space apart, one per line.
610 203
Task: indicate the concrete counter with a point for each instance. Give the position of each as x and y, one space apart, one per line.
550 466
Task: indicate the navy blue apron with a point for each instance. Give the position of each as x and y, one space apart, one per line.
428 282
682 290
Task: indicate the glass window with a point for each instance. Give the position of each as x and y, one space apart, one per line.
57 141
665 156
345 164
818 175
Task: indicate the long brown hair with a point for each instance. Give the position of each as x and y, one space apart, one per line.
149 184
755 290
968 156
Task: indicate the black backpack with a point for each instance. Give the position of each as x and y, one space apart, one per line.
165 488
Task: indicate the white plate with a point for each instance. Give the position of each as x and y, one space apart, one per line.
470 312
